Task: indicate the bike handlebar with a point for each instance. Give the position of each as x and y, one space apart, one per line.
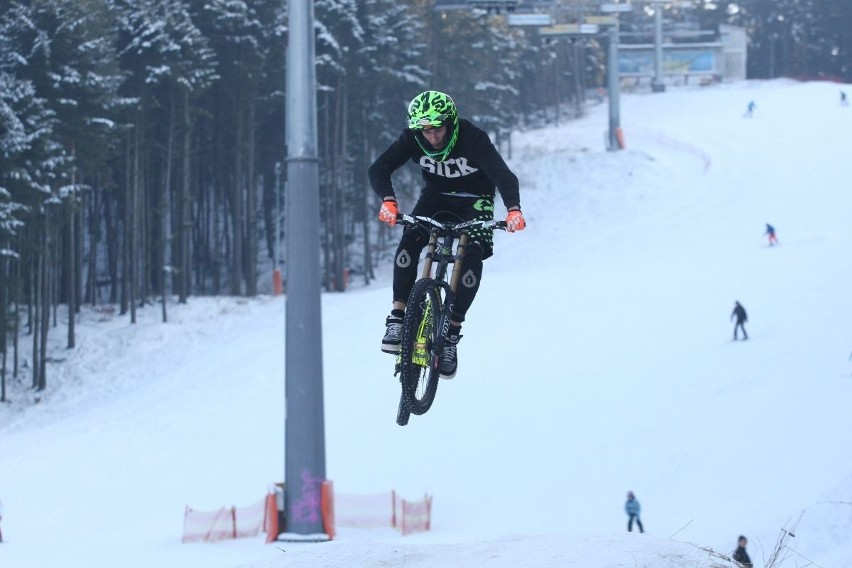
424 221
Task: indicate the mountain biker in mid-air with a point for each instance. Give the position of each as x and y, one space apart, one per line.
461 169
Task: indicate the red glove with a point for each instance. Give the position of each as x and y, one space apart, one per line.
388 212
515 221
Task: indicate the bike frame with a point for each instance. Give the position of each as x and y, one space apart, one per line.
439 251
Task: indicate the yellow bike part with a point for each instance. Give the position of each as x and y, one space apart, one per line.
420 355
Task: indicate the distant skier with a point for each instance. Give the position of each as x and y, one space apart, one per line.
750 109
740 554
632 508
843 101
740 313
1 519
770 232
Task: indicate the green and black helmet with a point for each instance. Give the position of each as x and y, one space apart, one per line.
436 109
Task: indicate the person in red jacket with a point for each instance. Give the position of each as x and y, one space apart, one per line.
461 171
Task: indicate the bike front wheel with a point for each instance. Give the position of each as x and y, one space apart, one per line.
419 362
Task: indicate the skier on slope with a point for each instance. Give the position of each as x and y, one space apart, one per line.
770 232
632 508
461 169
739 313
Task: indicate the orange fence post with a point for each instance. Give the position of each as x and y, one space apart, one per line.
393 508
277 287
619 136
271 518
327 506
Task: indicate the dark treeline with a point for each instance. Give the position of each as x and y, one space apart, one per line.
142 141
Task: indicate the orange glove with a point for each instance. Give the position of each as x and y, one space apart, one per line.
388 212
515 221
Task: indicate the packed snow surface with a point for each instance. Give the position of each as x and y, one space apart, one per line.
597 359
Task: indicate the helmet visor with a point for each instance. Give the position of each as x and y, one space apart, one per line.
433 120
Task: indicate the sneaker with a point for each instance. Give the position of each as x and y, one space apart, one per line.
392 340
450 357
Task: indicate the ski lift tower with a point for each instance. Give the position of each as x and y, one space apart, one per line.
304 422
657 85
615 140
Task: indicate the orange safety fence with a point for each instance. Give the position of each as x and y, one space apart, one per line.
225 523
379 510
416 515
374 510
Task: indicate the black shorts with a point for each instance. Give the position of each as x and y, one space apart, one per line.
454 208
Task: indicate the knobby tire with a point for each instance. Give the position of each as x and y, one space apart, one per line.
419 383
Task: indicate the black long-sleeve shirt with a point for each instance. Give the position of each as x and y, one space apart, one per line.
474 167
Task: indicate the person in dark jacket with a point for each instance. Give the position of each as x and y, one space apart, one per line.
739 313
632 508
461 170
740 554
770 232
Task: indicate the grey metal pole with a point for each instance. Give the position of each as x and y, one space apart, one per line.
657 85
304 426
613 88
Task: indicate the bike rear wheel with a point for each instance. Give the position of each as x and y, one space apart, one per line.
419 364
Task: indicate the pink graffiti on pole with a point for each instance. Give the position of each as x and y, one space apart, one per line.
306 509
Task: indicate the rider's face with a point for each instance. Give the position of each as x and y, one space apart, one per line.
436 137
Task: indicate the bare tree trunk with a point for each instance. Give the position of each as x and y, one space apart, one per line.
143 242
5 281
364 208
37 277
237 204
327 200
220 210
166 218
133 263
268 196
91 207
251 190
45 310
125 228
72 261
18 293
113 245
185 207
341 211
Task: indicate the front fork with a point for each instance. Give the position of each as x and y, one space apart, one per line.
421 340
432 317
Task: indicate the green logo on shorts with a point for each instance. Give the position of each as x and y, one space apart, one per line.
484 204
